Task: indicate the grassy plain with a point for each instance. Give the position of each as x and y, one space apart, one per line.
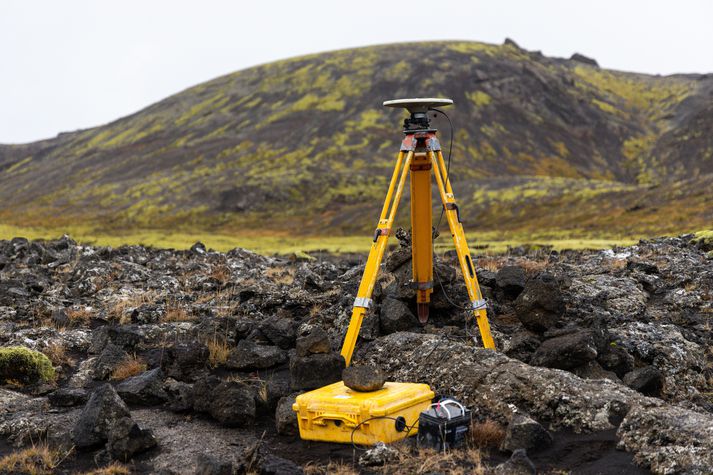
481 243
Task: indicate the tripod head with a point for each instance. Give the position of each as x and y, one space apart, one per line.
418 108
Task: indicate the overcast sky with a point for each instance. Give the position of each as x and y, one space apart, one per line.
72 64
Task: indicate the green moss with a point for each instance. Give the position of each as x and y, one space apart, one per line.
704 237
479 98
605 106
25 366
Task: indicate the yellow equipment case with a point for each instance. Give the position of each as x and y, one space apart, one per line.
332 413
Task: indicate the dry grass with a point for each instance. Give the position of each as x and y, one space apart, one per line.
281 275
332 468
35 460
131 366
218 352
456 462
316 310
221 273
531 266
115 468
223 302
176 313
616 264
493 264
57 353
121 309
486 435
80 315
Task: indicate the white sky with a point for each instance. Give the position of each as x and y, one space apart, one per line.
73 64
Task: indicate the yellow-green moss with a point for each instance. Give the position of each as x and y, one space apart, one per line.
25 366
479 98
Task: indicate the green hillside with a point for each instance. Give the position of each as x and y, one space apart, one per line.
543 146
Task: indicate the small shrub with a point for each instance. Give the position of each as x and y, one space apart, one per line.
79 316
221 273
115 468
218 351
175 313
24 365
36 460
57 353
131 366
485 435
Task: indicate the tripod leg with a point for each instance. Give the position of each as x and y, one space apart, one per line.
421 233
464 257
376 254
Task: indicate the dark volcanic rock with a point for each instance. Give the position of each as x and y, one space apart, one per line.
647 380
110 358
249 355
363 378
206 464
566 351
185 361
124 336
540 305
280 331
68 397
285 417
395 316
126 438
145 388
179 395
274 465
315 371
230 402
580 58
104 408
518 464
522 345
668 439
314 341
524 432
511 280
616 359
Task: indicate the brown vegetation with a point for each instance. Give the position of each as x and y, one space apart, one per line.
131 366
115 468
218 352
35 460
176 313
79 315
486 435
57 353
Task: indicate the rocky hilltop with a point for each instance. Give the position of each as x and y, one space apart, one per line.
542 145
163 361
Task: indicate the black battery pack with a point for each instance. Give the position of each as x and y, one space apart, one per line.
444 425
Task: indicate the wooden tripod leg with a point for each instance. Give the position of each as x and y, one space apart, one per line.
376 254
421 233
464 258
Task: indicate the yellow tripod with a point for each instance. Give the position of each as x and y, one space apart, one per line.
421 155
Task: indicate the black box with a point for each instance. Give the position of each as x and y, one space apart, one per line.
437 431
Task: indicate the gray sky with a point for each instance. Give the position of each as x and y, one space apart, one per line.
74 64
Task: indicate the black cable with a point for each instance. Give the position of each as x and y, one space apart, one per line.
450 153
410 428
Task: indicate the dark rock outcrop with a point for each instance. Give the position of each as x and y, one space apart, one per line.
523 432
145 388
315 371
101 412
249 355
540 305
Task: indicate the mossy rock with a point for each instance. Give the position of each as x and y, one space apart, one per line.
25 366
704 239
